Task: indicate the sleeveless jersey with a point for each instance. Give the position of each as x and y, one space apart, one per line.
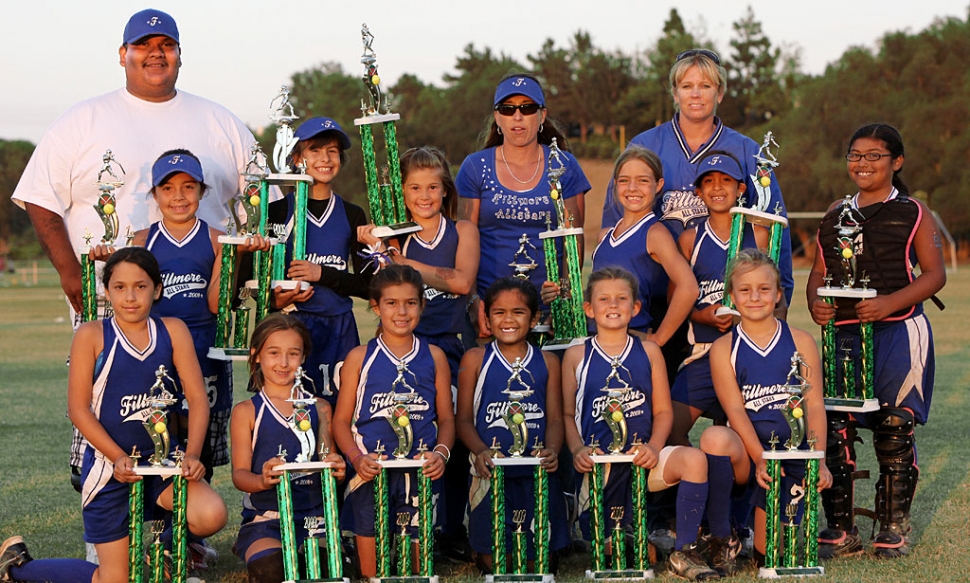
708 261
123 378
762 375
444 312
271 431
630 252
592 402
186 267
374 410
328 239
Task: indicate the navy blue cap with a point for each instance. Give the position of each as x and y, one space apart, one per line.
317 125
150 22
174 163
519 86
719 163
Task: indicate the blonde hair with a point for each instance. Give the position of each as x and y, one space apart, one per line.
748 260
705 65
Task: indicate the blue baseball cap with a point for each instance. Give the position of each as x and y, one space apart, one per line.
719 163
317 125
519 86
174 163
150 22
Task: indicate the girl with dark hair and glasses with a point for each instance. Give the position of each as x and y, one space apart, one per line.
503 188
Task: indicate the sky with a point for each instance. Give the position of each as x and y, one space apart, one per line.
239 52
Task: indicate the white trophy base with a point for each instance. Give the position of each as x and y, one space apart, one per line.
242 239
524 578
760 217
612 458
846 292
217 353
793 454
376 118
517 461
287 284
848 405
163 471
562 343
726 311
388 231
401 464
561 233
624 575
304 466
288 179
779 572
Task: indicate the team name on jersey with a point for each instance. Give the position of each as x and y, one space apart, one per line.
175 283
632 402
431 293
335 261
710 291
682 205
758 396
383 404
495 411
135 407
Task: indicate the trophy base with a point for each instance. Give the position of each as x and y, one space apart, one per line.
288 179
218 353
287 284
401 464
851 405
329 580
376 118
793 454
410 579
517 461
241 239
394 230
562 343
762 218
624 575
726 311
612 458
779 572
305 467
163 471
523 578
561 233
846 292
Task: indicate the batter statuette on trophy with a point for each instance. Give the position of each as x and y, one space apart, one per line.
791 549
159 398
517 422
845 388
568 317
758 214
385 200
108 182
615 389
404 397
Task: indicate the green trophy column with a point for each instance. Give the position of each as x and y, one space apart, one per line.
498 520
370 174
381 526
596 525
426 520
284 498
734 245
136 514
830 378
772 507
811 512
180 530
542 520
328 485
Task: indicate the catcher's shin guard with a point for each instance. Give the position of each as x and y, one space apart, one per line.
838 500
895 446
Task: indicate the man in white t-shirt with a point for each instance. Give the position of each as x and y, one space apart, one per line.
137 123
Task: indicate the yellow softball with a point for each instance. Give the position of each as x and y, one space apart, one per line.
108 208
797 412
375 79
617 416
847 253
160 427
403 421
304 425
765 181
554 194
518 418
254 200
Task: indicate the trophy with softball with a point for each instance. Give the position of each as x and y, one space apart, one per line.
791 549
568 317
385 198
108 182
845 388
614 395
516 420
758 214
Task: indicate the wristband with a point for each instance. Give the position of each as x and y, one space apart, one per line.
352 459
441 454
446 456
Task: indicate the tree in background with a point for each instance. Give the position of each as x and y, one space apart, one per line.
755 92
15 228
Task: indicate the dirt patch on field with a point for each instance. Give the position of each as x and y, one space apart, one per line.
598 173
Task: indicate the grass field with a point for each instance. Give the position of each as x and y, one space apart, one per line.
37 501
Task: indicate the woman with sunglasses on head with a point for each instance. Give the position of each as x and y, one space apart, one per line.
503 188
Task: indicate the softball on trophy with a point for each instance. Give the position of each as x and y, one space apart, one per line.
254 200
375 79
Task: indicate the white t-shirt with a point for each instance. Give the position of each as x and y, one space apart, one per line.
62 173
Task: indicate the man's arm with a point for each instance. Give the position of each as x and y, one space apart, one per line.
52 234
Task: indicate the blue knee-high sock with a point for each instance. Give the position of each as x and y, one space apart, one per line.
720 479
55 571
691 498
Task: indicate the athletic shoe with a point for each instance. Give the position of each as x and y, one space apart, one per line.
833 543
13 553
204 552
664 539
688 564
723 555
890 545
455 547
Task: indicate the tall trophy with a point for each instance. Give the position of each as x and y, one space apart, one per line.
385 198
845 389
108 182
615 390
757 214
515 419
568 317
404 397
785 555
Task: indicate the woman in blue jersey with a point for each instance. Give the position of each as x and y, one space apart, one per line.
503 187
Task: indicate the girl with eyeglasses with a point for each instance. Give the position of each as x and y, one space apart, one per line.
897 234
503 188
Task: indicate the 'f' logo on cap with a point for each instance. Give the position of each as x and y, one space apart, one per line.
153 21
715 160
519 82
175 159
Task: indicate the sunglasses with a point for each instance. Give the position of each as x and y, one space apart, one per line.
508 110
702 52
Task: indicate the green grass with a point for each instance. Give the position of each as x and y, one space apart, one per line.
37 501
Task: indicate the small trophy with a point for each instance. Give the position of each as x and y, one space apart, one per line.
302 400
386 200
758 214
515 417
568 318
522 261
782 556
400 419
108 182
613 414
160 399
843 390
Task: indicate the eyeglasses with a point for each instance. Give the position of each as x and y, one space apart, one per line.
869 156
703 52
508 110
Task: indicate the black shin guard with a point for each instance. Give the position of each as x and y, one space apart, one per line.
838 500
266 569
895 446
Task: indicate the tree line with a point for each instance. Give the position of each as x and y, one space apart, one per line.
917 82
